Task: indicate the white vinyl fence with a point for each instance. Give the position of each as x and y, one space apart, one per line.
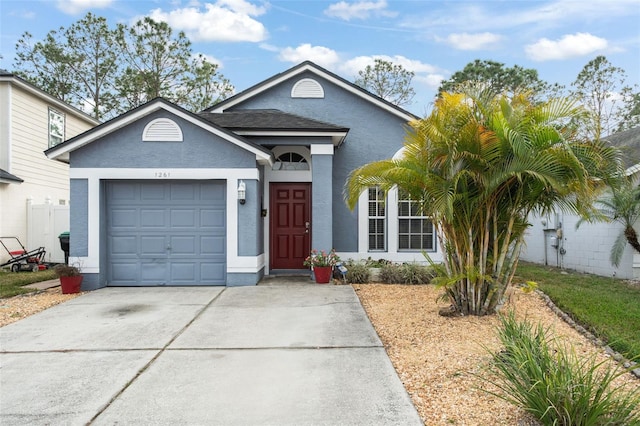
45 222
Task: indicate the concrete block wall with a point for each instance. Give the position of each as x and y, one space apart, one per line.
585 249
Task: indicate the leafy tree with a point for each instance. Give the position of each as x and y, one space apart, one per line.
390 81
158 64
109 71
629 114
77 64
480 164
612 104
498 79
46 65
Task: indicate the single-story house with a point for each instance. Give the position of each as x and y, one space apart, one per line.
246 188
556 241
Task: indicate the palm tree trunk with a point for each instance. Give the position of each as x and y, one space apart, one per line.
632 237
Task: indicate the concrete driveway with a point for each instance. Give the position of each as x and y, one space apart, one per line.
301 354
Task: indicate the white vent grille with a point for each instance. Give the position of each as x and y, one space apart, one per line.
162 130
307 88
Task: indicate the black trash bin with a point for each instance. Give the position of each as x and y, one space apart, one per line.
64 245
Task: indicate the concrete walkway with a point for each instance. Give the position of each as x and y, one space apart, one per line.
302 354
44 285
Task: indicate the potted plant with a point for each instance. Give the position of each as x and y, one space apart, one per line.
70 278
322 264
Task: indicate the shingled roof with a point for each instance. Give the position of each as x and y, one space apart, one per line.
268 120
9 178
629 142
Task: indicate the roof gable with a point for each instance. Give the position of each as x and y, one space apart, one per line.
10 78
61 152
308 66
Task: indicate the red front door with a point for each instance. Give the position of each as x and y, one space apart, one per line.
290 224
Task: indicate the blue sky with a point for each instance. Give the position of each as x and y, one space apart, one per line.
252 40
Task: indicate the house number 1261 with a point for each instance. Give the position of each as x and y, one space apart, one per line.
162 174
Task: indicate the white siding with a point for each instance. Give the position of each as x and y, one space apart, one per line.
26 136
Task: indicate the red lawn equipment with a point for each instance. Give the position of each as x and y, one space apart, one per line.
22 259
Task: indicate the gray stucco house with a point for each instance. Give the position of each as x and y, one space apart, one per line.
162 196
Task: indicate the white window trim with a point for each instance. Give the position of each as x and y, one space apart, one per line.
376 217
321 149
423 217
51 111
392 252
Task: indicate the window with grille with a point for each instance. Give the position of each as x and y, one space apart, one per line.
415 230
290 161
377 220
56 127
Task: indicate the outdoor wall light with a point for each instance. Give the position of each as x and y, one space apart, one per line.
242 192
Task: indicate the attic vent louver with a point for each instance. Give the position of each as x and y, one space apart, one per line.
162 130
307 88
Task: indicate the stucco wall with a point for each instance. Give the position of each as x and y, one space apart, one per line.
586 249
125 148
201 150
374 134
248 220
321 194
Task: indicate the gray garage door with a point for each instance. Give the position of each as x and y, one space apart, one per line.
166 233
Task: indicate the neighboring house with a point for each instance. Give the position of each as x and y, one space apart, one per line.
554 240
32 121
246 188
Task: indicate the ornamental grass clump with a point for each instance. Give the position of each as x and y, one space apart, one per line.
548 379
406 273
357 272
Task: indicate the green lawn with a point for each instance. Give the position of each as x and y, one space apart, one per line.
11 282
609 308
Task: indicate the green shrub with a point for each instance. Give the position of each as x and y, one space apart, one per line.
391 274
560 387
414 273
357 272
406 273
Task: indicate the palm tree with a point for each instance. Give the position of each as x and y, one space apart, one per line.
622 205
480 164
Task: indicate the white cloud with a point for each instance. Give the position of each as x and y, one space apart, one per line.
478 41
358 10
225 20
526 16
425 75
352 66
209 58
569 46
73 7
432 81
321 55
269 47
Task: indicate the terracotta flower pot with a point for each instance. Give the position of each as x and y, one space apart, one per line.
71 284
323 274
